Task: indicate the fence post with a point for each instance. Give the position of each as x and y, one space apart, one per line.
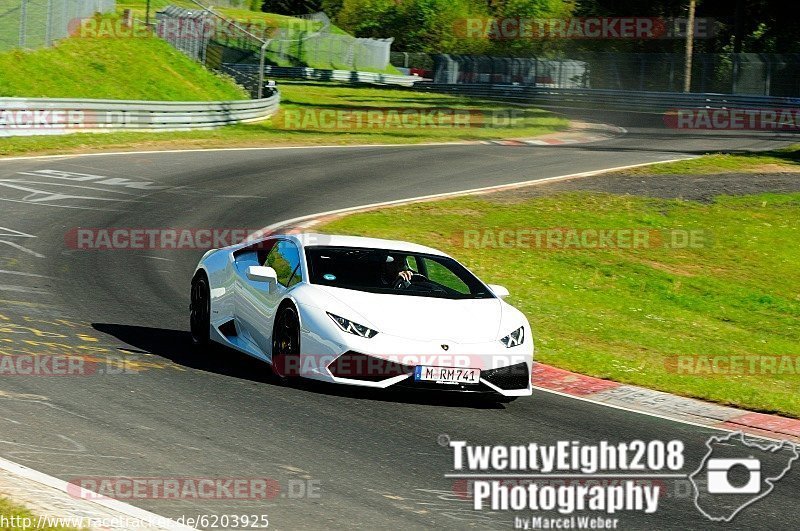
48 35
23 18
641 72
768 80
704 74
261 70
672 73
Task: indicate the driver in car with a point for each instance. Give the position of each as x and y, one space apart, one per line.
395 271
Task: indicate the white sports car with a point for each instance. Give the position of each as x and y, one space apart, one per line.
362 311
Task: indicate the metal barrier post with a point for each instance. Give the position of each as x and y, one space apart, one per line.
261 70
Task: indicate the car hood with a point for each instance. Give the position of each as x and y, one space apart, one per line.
423 318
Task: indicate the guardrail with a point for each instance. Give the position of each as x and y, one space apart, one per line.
242 71
36 116
621 100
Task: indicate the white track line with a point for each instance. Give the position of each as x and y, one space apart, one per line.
611 135
23 274
206 150
484 189
108 503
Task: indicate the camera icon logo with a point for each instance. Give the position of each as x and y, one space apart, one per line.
737 472
719 481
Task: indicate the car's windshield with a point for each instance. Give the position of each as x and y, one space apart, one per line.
393 272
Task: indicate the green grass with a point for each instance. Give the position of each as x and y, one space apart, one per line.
16 513
298 97
625 314
123 68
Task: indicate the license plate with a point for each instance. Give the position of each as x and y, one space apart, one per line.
447 375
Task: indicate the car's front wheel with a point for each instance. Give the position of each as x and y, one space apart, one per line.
286 342
200 310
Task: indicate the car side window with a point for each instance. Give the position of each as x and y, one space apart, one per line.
284 258
443 276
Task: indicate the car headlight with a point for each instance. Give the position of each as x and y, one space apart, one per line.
352 328
515 338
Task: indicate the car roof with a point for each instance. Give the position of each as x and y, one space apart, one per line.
310 239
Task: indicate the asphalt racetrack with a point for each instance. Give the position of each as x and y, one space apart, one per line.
353 459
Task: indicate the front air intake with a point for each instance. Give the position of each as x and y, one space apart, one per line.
357 366
509 378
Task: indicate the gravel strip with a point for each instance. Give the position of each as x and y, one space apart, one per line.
701 188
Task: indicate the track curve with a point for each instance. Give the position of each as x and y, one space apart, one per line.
376 458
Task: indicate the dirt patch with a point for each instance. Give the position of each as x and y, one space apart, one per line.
774 168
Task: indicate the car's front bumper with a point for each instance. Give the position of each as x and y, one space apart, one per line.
386 361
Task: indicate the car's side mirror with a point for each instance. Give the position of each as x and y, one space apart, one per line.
499 291
262 274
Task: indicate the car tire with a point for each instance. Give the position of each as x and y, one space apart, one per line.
286 342
200 311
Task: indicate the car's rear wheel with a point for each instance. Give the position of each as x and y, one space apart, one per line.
286 342
200 310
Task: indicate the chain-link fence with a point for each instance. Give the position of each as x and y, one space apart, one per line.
187 31
745 73
37 23
565 73
307 42
327 50
320 47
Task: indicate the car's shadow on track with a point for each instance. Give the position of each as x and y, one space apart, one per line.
176 346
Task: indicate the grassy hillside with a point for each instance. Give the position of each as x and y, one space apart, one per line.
123 68
147 68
